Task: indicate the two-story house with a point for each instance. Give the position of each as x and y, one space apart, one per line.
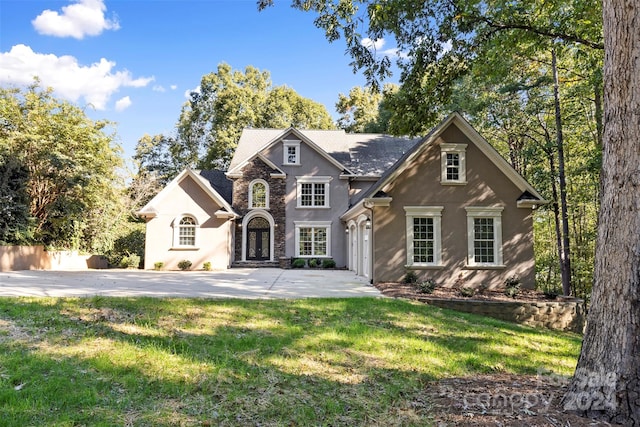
446 206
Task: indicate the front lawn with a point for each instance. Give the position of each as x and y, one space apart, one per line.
175 362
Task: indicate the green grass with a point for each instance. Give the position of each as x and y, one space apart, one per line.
174 362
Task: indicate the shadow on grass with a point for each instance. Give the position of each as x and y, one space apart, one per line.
235 362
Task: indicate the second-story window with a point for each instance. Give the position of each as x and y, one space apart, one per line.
454 164
258 194
313 192
291 151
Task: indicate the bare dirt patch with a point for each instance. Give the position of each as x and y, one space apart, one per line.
504 400
496 399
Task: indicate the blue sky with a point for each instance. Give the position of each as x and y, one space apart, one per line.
132 61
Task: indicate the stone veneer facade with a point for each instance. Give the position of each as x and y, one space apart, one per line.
257 169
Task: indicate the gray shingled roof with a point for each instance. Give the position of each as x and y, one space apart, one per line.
364 154
219 182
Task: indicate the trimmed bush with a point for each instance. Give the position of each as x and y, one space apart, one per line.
299 263
512 286
185 264
158 265
130 261
313 263
410 277
467 292
206 266
427 286
328 263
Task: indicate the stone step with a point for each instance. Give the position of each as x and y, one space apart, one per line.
255 264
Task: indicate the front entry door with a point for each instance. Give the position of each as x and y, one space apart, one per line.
258 240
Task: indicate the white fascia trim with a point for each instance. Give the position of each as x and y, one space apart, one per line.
377 201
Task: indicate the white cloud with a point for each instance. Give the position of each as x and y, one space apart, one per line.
123 103
95 83
80 19
159 88
173 87
377 45
372 44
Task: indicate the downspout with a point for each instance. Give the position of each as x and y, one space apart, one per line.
369 207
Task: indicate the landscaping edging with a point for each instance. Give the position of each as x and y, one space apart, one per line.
559 315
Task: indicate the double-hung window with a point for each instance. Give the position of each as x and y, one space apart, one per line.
291 152
313 238
313 192
454 164
484 231
424 244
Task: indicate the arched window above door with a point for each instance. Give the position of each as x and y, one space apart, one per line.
258 194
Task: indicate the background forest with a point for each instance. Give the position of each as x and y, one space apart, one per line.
528 77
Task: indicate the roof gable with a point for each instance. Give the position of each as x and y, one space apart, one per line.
533 197
244 154
357 154
211 182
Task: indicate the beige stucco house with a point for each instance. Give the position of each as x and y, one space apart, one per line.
446 206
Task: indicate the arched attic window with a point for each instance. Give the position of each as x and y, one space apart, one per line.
185 231
258 194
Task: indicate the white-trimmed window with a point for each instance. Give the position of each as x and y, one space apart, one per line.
313 238
454 163
185 231
258 194
484 231
424 241
313 191
291 152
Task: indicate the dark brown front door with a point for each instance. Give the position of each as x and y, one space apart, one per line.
258 240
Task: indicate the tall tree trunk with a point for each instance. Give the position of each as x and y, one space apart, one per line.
607 380
565 254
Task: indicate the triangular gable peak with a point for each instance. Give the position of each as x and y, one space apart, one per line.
289 134
236 172
532 198
149 210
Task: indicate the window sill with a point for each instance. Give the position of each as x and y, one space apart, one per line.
313 207
184 248
424 267
485 267
454 183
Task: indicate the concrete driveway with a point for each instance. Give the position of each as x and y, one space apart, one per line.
233 283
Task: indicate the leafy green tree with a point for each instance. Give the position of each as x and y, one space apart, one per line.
71 163
366 110
228 101
15 224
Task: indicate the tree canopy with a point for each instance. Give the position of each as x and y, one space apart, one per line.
226 102
59 163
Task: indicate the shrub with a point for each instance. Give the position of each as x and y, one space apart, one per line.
206 266
185 264
130 261
158 265
313 263
467 291
410 277
512 286
299 263
328 263
427 286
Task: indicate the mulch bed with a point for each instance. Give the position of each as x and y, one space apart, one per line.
495 399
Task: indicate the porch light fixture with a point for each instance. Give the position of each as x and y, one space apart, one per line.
367 224
346 230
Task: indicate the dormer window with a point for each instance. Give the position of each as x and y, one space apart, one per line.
454 167
291 150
